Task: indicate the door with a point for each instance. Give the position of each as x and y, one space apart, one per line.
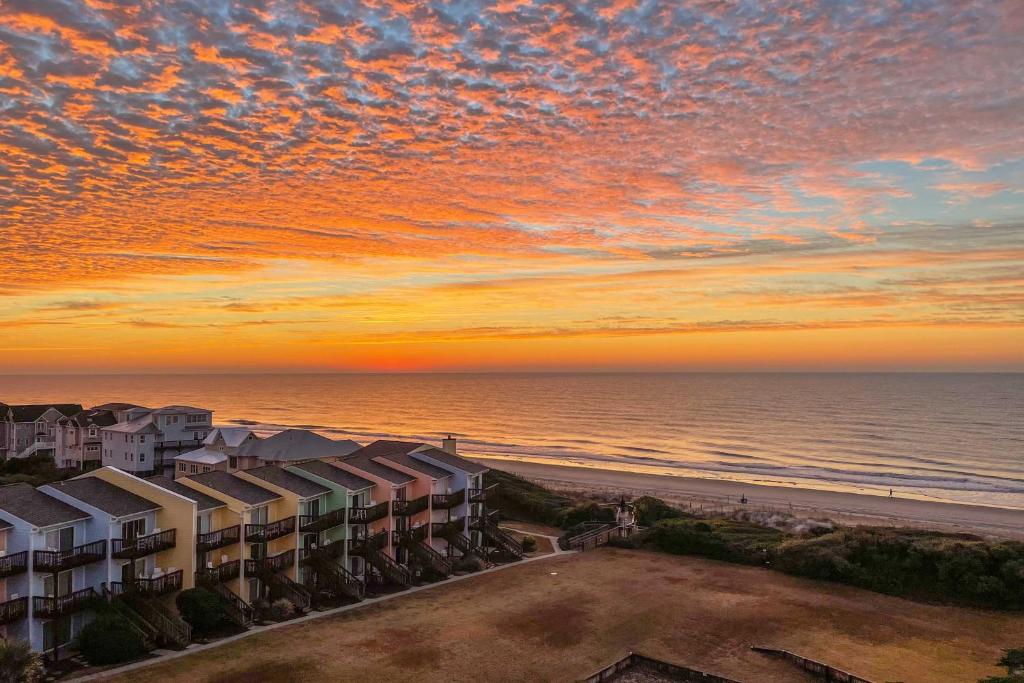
135 529
58 586
61 539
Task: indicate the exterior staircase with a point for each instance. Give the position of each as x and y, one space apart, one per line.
414 542
328 574
238 610
271 570
507 546
171 630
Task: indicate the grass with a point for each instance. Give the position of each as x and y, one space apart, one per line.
525 623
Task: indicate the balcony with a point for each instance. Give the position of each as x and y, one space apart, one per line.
376 542
11 565
218 539
480 495
445 501
157 585
13 610
62 560
51 608
220 573
275 563
454 526
142 546
370 514
316 523
406 508
261 533
327 551
414 535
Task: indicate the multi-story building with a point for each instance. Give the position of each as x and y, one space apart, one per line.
229 449
32 429
79 439
149 438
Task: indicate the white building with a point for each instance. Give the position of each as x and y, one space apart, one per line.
150 438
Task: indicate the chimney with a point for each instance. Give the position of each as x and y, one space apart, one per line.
448 444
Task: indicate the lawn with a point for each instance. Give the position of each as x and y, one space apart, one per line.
527 624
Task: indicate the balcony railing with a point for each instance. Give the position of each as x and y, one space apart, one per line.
405 508
317 523
157 585
13 564
275 563
368 514
62 560
454 526
219 574
480 495
261 533
377 541
327 551
142 546
50 608
444 501
212 540
414 535
13 610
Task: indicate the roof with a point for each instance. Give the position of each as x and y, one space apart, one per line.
335 474
293 445
113 500
204 455
452 460
35 507
289 481
93 417
233 436
144 423
31 413
406 460
115 406
179 409
373 467
5 525
386 447
203 502
236 487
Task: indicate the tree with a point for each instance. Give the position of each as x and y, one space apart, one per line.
110 639
18 664
1013 660
202 609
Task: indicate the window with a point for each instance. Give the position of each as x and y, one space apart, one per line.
206 468
193 469
133 529
142 438
196 419
92 431
232 462
142 457
61 539
181 467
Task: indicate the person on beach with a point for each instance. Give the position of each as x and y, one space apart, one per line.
890 493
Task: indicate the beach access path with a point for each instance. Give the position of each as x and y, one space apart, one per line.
843 507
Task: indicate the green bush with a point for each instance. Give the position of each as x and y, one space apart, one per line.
648 510
280 609
720 539
586 512
110 639
202 609
523 500
18 664
529 544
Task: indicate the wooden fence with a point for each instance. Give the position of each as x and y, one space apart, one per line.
829 674
634 662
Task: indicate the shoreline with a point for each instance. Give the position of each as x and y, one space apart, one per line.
849 508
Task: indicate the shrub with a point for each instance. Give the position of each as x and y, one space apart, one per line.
469 562
280 609
529 544
202 609
586 512
648 510
110 639
18 664
523 500
720 539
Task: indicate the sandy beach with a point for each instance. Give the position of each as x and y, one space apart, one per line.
842 507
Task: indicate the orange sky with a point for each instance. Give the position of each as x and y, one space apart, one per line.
511 185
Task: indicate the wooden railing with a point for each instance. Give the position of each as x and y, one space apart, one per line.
480 495
51 608
404 508
239 611
172 629
261 533
327 551
269 565
452 526
593 537
389 569
819 669
443 501
318 523
11 565
219 574
414 535
13 610
368 514
122 549
157 585
505 543
284 587
430 557
375 542
62 560
212 540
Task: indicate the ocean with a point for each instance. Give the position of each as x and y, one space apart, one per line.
944 437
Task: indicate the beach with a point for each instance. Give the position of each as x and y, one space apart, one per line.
849 508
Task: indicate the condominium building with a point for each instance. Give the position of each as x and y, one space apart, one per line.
147 439
229 449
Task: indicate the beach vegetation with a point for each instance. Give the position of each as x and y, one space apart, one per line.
588 511
529 544
18 663
202 609
526 501
647 510
110 639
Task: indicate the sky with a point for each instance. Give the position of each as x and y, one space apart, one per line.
324 185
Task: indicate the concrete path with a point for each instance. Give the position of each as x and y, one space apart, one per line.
196 647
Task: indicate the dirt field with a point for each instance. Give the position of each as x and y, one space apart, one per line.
527 624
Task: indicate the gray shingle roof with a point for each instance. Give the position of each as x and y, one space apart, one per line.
417 465
101 494
35 507
456 461
376 469
236 487
31 413
203 502
289 481
335 474
296 445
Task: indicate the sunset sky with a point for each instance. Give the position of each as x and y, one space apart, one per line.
323 185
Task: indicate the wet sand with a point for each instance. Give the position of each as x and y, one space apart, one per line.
843 507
